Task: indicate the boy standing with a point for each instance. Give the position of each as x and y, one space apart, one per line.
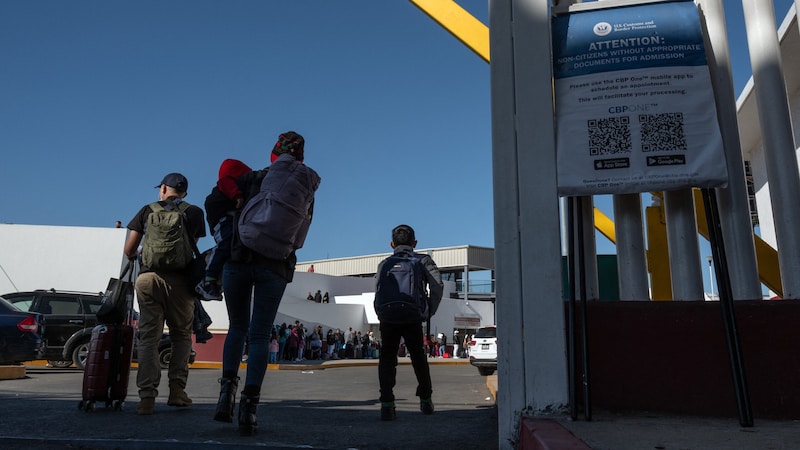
402 304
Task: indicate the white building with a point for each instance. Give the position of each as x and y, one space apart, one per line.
83 259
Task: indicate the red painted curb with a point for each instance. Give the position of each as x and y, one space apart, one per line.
547 434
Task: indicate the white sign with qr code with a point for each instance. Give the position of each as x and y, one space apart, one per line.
635 108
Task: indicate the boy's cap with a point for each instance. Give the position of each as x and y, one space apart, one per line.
289 142
175 181
403 235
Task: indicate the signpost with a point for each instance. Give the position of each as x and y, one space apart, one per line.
635 107
635 112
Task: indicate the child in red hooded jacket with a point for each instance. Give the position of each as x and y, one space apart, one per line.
221 206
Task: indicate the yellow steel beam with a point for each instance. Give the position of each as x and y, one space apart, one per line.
767 257
475 35
768 267
658 254
605 225
459 22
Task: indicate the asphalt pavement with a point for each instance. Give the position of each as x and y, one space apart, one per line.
334 405
303 405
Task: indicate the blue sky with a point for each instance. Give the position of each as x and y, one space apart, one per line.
100 99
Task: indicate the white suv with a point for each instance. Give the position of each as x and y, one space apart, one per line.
483 350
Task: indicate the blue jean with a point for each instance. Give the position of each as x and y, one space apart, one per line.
281 350
245 284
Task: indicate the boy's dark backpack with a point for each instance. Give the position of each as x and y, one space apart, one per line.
167 245
400 295
275 221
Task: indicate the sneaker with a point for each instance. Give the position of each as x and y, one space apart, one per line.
426 405
208 290
146 406
388 411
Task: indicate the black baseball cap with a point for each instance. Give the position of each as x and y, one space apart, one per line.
176 181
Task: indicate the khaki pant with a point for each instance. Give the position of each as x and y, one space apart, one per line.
163 297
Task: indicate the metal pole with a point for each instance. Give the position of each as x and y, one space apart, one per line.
571 267
726 304
587 397
710 276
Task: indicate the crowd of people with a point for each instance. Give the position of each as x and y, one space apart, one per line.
295 342
319 297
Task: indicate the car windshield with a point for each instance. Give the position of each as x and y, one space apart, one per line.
488 332
10 306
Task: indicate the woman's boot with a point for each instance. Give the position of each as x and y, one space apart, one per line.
227 399
248 423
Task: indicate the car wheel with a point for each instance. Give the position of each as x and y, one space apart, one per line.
79 354
485 371
164 356
61 364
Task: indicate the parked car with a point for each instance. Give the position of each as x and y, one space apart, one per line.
70 317
483 350
21 334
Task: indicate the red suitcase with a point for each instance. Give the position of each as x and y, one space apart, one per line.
108 366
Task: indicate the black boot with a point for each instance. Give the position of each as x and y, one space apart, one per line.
248 423
227 399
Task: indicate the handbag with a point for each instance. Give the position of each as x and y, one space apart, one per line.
118 298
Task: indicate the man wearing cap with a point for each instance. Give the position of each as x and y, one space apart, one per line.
164 296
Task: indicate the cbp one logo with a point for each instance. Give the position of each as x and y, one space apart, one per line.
602 29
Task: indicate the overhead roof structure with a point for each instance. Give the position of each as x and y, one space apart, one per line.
448 259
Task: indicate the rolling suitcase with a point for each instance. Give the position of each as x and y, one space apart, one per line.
108 366
108 363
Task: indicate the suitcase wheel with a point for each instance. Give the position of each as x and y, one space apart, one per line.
86 405
118 405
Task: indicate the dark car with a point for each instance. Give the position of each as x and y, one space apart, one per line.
71 316
20 334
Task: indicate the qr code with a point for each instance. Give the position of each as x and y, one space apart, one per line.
609 136
662 132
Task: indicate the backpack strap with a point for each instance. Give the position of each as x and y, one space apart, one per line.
181 207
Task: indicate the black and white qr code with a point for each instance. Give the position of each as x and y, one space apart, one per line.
662 132
609 136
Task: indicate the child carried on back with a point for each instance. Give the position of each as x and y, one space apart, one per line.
221 206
